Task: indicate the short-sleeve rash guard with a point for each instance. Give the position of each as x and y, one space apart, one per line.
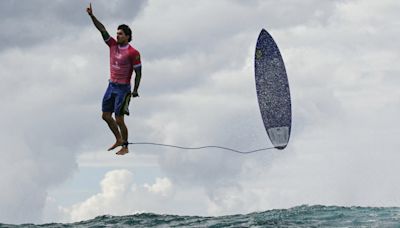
123 60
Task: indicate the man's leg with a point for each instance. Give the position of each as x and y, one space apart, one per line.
112 124
124 133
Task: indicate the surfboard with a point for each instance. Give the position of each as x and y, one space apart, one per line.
273 92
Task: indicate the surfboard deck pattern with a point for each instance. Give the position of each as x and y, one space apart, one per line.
273 90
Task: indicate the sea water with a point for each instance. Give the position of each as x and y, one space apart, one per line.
301 216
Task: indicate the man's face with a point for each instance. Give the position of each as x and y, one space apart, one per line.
121 37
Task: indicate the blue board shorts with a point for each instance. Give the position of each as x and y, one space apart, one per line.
116 99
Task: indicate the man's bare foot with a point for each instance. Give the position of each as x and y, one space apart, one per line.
116 144
123 150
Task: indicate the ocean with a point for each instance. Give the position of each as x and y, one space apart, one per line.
301 216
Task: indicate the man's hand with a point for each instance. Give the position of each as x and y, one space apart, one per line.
97 23
135 94
89 10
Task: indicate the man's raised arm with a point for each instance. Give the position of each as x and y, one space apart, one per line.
97 23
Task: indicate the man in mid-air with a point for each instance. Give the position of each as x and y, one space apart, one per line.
124 59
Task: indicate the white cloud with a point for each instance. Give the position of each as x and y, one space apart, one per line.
120 195
115 187
162 186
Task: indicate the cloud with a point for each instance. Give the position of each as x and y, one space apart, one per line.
26 173
30 24
162 186
203 26
120 195
115 186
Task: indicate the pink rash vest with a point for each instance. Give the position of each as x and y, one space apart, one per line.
123 60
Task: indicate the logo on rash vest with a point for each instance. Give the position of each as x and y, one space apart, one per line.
115 65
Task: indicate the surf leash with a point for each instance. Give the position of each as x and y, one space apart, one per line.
202 147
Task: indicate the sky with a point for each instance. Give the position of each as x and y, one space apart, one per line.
197 89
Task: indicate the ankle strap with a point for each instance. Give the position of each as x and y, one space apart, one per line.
125 144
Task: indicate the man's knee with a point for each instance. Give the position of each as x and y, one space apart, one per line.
120 120
106 116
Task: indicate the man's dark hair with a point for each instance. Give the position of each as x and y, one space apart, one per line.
126 30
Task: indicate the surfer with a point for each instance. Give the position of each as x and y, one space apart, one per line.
124 59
